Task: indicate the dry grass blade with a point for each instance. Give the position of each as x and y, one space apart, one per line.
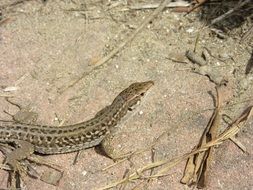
249 66
13 3
231 131
168 164
135 153
220 18
248 34
200 3
121 45
155 5
239 144
6 95
197 165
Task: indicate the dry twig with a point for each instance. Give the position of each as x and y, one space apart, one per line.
231 131
155 5
121 46
247 35
198 164
220 18
200 3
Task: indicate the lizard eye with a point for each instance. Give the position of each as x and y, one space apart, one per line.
142 94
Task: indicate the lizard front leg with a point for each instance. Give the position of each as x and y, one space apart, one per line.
13 158
24 150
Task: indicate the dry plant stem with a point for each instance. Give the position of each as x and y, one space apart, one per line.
114 164
200 3
155 5
239 144
13 4
248 34
214 21
5 167
5 21
197 166
249 66
6 95
131 154
196 41
39 160
121 46
132 36
228 133
196 6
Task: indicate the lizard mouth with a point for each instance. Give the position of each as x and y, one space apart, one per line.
131 108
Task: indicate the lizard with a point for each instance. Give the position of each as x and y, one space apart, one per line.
28 139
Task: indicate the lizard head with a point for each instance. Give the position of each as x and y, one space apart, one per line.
133 94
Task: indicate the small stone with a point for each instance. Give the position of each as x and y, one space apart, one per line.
84 173
190 30
51 177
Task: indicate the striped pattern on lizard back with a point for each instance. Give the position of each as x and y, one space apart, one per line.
69 138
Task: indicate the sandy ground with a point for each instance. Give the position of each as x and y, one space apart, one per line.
46 46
